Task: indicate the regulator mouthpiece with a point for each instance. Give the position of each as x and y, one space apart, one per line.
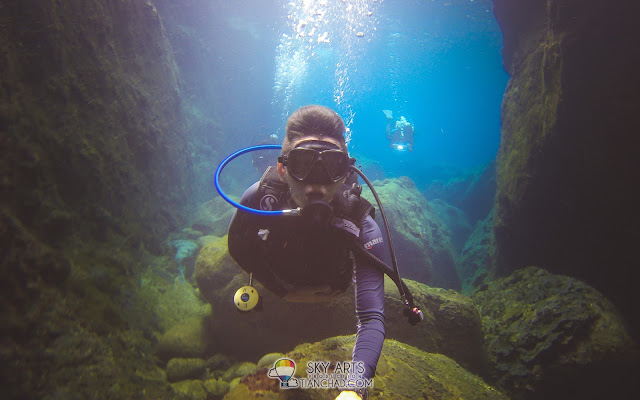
318 212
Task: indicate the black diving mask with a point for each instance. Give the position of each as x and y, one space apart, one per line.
316 161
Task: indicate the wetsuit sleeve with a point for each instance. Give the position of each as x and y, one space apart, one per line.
369 296
245 244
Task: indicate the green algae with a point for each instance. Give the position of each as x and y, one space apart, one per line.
545 332
404 372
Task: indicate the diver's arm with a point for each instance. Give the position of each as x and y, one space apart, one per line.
243 243
369 295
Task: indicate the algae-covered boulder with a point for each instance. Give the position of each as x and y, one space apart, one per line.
422 242
216 388
568 162
212 217
404 372
214 268
179 369
553 337
187 339
190 390
452 325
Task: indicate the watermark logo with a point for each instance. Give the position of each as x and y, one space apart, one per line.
342 375
284 369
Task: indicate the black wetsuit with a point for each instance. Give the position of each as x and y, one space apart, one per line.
283 252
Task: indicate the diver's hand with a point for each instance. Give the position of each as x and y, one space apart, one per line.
348 395
311 294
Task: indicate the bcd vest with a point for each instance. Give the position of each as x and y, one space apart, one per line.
300 254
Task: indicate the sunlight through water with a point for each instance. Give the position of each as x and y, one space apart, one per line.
329 39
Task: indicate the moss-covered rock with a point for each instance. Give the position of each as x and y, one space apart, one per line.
239 370
214 269
216 388
218 362
422 242
452 325
190 390
268 359
553 337
188 338
95 166
404 372
212 217
179 369
567 161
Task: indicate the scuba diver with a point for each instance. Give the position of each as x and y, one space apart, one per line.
261 160
325 238
399 134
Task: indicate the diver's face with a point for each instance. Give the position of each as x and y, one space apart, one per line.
301 191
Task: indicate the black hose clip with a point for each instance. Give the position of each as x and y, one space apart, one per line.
352 197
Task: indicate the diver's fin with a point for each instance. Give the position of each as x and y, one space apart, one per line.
388 113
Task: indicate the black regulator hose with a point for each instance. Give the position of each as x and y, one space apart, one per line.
415 315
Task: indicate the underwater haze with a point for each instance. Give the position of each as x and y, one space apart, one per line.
437 63
512 220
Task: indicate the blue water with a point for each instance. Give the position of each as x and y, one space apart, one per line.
438 63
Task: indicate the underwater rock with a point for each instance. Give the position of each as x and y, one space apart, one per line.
239 370
180 369
218 362
268 359
212 217
476 259
454 219
452 324
190 390
187 339
28 262
479 197
215 269
216 388
553 337
404 372
568 162
422 242
471 191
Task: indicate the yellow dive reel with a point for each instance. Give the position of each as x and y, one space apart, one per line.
246 298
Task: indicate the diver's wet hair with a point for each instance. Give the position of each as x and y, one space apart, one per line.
313 120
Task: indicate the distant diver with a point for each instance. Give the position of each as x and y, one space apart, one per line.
305 234
262 160
400 133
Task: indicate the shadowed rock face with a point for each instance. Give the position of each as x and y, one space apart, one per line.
93 168
568 165
553 337
93 138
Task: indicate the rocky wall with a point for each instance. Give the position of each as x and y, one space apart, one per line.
91 123
567 163
94 172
